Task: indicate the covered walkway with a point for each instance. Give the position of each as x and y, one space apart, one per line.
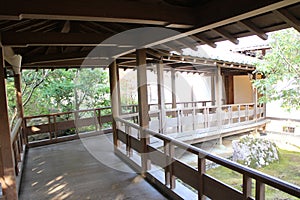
68 171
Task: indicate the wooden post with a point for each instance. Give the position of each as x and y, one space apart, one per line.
7 171
17 80
114 99
143 106
247 186
213 90
201 172
173 85
219 101
259 190
161 97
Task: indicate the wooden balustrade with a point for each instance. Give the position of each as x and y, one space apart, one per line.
18 146
197 178
58 127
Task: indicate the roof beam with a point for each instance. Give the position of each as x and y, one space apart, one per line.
206 41
257 8
257 31
94 10
288 18
24 39
226 35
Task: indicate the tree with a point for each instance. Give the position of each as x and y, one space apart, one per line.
281 70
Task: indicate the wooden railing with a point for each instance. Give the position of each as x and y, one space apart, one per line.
18 146
173 169
58 127
201 117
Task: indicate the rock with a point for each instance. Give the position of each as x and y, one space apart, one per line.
254 152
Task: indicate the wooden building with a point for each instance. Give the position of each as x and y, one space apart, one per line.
68 34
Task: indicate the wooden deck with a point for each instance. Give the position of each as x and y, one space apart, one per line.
69 171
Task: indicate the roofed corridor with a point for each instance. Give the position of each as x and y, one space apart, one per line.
68 171
52 35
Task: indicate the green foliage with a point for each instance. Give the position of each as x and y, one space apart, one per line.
287 169
60 90
281 69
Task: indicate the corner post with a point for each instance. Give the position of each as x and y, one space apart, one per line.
7 169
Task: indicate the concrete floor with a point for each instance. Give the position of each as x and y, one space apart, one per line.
75 170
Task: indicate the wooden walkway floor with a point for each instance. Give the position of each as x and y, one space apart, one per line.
75 170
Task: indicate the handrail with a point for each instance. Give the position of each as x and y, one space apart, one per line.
65 113
15 130
264 178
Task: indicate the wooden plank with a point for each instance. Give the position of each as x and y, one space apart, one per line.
187 174
157 157
211 185
7 172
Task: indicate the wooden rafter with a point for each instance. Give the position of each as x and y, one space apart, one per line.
252 27
288 18
226 35
205 40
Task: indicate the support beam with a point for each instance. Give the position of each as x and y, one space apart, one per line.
226 35
205 40
93 10
288 18
247 10
257 31
7 170
143 106
113 75
24 39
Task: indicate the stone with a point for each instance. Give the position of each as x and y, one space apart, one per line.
254 152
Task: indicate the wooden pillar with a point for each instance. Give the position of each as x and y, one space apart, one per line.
18 86
229 89
161 96
213 90
7 170
143 106
113 77
173 85
219 101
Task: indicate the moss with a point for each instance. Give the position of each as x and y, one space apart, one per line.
287 169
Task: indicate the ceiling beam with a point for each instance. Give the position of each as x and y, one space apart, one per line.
288 18
226 35
205 40
257 8
253 28
93 10
24 39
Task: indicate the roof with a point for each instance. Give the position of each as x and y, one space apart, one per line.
60 33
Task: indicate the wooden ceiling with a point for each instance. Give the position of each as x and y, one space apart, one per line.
61 33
